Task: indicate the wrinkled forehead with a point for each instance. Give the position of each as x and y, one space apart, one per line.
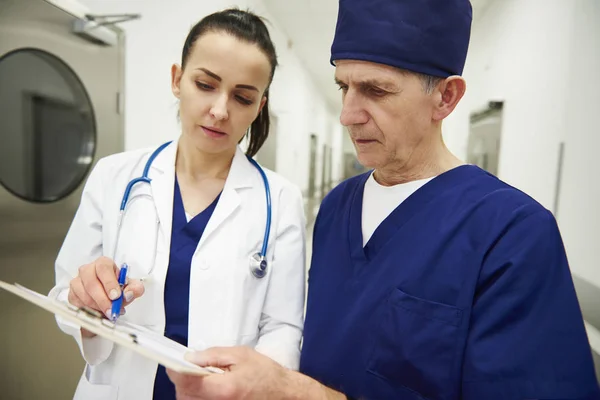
359 71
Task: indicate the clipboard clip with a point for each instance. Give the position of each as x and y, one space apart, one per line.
92 315
97 317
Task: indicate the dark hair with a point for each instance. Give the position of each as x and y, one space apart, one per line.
248 27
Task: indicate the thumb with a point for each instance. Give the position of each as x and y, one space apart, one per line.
220 357
133 290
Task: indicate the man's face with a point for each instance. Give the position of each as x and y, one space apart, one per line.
388 114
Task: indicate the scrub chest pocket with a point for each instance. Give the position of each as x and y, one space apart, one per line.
416 344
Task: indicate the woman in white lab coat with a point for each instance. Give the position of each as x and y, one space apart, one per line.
210 204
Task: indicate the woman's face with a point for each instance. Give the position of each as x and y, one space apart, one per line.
220 91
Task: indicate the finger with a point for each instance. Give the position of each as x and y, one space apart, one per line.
220 357
78 296
182 382
188 387
94 289
106 271
133 290
73 299
179 395
175 377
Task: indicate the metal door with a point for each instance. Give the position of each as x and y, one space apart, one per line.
485 131
60 112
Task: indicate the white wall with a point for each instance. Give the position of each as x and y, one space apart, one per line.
578 212
542 57
519 54
154 43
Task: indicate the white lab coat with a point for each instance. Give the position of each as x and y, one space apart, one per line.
228 306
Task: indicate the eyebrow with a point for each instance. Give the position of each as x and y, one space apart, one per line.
371 83
218 78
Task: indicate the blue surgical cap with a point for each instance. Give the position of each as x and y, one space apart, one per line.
425 36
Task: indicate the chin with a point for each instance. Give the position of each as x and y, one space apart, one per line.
368 160
206 145
212 148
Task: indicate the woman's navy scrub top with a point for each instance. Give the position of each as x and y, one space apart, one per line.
185 237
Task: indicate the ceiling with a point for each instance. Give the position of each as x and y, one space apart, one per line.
310 25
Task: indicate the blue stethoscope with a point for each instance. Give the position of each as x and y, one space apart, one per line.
258 261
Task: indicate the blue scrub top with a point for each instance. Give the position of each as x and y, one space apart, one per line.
463 293
185 237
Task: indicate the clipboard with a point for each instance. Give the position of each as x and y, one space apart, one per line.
141 340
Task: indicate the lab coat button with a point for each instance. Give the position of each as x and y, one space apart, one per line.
204 266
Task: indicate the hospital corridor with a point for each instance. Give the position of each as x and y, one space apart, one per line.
163 165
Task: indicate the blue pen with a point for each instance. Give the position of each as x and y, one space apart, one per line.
117 303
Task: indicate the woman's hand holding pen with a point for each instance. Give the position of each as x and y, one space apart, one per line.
97 285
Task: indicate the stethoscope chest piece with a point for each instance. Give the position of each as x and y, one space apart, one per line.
258 265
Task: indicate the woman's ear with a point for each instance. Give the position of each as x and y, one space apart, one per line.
176 73
263 101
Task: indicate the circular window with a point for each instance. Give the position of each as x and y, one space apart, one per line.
47 129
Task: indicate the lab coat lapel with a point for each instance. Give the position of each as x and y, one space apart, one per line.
240 176
162 177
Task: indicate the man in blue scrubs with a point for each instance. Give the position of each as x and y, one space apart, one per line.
430 278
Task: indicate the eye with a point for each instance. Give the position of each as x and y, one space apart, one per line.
243 100
203 86
374 91
343 88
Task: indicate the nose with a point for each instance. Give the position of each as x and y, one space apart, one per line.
219 108
353 112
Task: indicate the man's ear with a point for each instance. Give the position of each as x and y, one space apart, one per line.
450 92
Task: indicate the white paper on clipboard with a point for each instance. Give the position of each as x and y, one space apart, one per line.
137 338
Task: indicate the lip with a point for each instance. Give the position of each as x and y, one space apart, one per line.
213 132
364 141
